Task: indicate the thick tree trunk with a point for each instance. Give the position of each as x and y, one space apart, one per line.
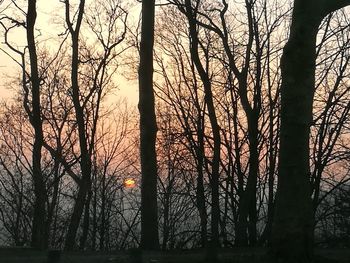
148 131
292 233
39 228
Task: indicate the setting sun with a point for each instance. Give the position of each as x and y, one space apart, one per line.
129 183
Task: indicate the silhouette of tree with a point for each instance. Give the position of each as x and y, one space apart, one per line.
292 231
148 131
39 219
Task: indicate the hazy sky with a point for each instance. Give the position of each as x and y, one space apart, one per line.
49 12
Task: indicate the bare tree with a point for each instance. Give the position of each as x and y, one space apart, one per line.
292 233
182 93
87 106
32 104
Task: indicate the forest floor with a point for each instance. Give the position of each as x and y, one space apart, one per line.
236 255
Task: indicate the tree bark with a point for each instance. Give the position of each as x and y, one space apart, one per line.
292 233
148 132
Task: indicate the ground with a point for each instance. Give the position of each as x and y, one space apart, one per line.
237 255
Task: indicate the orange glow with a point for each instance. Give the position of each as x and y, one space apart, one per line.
129 183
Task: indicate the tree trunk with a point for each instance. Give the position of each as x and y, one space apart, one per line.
54 200
214 182
39 216
200 197
292 233
85 152
148 131
103 213
199 155
86 222
246 232
94 219
78 209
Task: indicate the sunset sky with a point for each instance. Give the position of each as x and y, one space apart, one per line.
49 26
246 143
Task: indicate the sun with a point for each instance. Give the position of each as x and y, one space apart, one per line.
129 183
